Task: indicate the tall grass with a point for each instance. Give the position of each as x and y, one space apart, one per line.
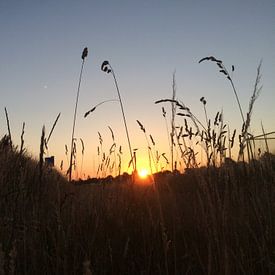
218 219
106 67
244 136
8 125
206 221
83 56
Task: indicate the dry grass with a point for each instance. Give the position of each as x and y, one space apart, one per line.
207 221
213 220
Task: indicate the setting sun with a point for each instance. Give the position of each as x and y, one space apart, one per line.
143 173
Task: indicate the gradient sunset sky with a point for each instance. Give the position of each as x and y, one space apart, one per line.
145 41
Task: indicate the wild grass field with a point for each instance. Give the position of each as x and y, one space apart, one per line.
213 219
206 221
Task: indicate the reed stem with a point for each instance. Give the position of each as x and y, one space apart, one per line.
84 54
124 117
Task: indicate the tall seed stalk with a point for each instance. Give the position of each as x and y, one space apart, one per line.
150 155
106 67
41 153
226 73
246 122
173 112
84 55
22 139
8 124
50 134
82 155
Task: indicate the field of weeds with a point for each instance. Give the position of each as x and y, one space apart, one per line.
216 219
206 221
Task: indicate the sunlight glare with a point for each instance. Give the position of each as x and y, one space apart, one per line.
143 173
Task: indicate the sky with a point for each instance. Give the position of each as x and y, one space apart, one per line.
145 42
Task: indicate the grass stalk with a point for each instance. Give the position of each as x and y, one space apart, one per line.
22 139
50 134
100 103
226 73
265 138
84 55
41 154
106 67
8 124
173 114
82 156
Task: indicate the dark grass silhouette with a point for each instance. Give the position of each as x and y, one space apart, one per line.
83 56
214 221
107 68
217 219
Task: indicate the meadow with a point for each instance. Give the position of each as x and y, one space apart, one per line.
206 221
216 218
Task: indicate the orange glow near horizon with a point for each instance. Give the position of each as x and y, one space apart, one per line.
143 173
144 177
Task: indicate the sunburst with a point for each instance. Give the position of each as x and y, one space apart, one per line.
143 173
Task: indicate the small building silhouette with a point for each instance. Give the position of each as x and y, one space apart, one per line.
49 161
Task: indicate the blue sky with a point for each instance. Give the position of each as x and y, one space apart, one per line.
145 41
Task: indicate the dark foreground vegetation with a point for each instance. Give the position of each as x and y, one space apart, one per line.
207 221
